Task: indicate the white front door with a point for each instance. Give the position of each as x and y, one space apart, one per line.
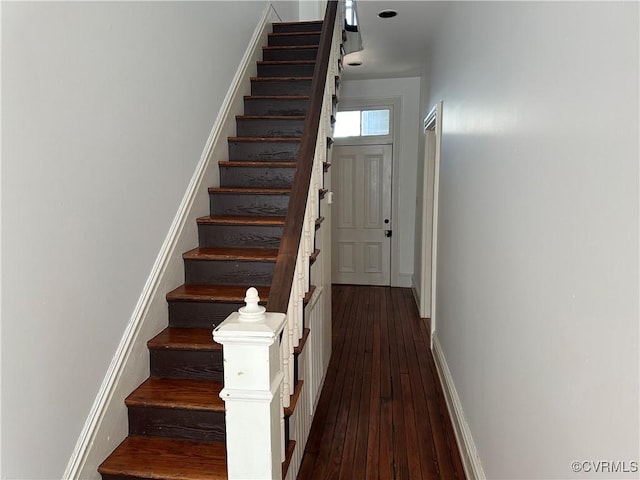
361 230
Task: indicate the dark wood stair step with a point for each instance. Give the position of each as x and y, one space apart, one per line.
294 38
264 139
238 230
188 353
290 52
251 190
236 254
286 68
214 293
304 26
264 148
250 201
257 174
270 126
254 221
174 338
276 105
178 408
205 306
165 459
184 394
281 86
226 266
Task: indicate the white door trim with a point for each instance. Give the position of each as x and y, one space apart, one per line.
396 104
433 121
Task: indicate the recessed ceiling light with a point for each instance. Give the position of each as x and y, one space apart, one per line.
354 64
387 14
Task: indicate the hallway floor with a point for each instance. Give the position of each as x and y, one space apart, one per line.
381 414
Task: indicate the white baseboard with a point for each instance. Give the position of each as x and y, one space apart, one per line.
106 425
405 280
468 452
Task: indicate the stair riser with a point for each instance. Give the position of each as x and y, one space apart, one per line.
266 106
285 70
248 204
201 272
239 236
264 151
276 177
193 364
257 127
280 87
297 27
310 53
198 425
200 314
301 39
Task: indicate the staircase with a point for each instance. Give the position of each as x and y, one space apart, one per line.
176 418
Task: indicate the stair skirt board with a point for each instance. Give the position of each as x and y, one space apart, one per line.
106 424
468 452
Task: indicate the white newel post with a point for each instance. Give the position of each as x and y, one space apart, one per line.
252 382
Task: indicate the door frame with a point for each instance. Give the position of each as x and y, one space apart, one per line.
396 114
432 122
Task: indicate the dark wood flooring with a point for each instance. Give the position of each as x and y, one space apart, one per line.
381 414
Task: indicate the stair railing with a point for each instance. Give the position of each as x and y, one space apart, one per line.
291 278
256 336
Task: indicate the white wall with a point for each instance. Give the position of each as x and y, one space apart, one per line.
406 143
312 9
537 289
106 108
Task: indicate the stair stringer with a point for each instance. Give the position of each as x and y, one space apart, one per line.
106 425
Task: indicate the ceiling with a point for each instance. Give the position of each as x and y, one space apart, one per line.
394 47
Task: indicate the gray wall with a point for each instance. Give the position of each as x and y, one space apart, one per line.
537 288
106 109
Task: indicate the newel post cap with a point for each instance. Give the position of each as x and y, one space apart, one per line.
250 324
251 312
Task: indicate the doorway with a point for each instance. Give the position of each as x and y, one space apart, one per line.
427 217
362 227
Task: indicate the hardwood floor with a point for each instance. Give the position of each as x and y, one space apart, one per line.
381 414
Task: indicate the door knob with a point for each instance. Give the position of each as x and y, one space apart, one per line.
387 233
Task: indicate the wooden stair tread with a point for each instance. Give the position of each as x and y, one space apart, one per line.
271 117
280 79
234 253
288 411
265 139
289 47
234 164
214 293
302 342
176 338
255 190
178 393
276 97
302 22
309 295
241 220
290 34
287 62
167 459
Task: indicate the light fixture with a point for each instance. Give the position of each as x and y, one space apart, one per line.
387 14
354 64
